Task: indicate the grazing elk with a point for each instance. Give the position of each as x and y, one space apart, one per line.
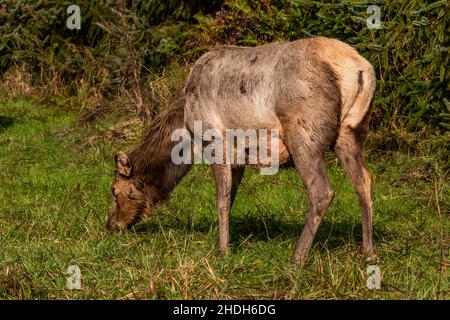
317 92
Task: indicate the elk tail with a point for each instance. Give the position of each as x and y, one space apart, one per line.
358 111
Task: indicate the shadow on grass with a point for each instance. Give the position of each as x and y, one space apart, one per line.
264 229
6 122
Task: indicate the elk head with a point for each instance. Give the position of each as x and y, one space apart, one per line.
132 197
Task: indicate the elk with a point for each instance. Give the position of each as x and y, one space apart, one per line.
317 92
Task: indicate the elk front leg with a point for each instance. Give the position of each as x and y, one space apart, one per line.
223 179
236 174
227 181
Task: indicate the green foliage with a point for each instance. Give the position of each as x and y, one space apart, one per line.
409 53
35 33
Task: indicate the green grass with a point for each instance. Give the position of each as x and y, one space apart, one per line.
54 195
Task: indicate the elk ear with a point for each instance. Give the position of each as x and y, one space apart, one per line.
123 164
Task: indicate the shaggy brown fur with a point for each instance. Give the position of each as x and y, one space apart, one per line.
146 175
151 159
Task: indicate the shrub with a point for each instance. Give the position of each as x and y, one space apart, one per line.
120 39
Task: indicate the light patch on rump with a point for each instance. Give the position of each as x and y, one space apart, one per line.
355 76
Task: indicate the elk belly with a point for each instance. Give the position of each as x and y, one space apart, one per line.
261 148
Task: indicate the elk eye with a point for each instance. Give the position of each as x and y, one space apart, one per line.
113 190
139 184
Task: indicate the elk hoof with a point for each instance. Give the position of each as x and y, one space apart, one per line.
369 255
222 252
297 261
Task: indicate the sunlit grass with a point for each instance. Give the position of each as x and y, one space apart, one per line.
54 195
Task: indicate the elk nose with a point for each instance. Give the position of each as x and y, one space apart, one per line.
110 226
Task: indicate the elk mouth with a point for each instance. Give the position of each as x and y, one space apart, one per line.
114 226
111 226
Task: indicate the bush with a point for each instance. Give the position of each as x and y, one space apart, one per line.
142 37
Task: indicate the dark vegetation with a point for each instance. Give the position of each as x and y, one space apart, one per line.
123 45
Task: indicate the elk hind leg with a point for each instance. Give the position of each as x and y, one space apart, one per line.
349 149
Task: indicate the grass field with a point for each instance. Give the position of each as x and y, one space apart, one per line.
55 180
